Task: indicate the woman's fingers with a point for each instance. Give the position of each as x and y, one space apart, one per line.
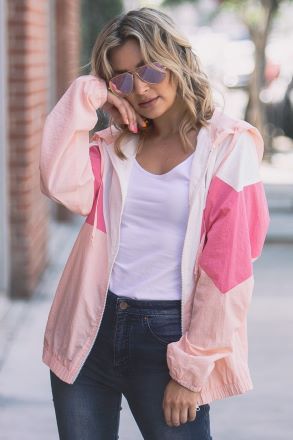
136 118
168 415
130 111
179 404
140 120
177 415
183 415
128 114
191 413
119 105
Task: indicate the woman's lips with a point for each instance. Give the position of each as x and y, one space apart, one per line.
149 103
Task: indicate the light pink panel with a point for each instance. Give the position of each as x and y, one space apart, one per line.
66 174
78 304
97 208
216 325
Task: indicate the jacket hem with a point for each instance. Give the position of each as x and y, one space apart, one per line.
58 368
226 390
208 395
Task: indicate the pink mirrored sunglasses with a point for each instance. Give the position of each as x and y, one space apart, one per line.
123 83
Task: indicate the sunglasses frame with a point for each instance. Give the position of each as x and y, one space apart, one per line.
161 68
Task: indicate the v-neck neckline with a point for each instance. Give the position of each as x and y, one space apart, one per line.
168 172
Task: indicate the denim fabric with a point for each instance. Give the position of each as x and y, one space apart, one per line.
129 358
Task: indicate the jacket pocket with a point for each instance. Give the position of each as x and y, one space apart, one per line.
164 328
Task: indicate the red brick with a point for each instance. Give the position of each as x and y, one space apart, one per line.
28 70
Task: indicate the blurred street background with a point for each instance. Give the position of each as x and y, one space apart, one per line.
246 49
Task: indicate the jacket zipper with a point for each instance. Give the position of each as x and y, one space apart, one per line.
204 176
182 287
108 283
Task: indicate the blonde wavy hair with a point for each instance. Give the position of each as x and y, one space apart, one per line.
159 41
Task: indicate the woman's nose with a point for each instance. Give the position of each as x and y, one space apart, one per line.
140 86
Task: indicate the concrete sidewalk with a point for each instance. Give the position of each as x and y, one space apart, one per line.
26 407
27 411
278 183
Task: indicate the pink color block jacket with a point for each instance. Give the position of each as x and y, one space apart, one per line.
227 225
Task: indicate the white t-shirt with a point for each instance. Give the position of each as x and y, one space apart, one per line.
153 226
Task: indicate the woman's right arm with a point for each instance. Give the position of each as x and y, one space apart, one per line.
66 174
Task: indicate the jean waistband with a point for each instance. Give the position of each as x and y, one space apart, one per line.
143 304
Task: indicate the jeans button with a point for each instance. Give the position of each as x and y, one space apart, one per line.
123 305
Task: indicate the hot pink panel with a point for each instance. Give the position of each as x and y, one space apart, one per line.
95 156
236 225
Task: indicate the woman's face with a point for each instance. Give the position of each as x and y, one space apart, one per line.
149 100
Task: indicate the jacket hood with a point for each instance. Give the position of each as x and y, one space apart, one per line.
220 126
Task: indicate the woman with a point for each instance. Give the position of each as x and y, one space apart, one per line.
152 303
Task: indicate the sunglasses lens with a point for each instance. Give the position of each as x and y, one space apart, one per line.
150 74
122 83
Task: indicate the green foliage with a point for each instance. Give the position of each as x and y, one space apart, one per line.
234 4
253 13
177 2
95 13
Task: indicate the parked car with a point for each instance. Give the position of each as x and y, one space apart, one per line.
278 102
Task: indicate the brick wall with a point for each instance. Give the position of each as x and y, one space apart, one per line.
68 34
27 105
28 82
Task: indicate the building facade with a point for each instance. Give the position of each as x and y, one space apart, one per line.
39 57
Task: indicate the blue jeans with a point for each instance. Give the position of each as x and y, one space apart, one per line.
129 358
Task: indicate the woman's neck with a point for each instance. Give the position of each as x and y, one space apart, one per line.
167 125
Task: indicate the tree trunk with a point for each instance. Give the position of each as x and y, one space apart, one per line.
255 111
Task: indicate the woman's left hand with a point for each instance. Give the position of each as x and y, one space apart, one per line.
179 404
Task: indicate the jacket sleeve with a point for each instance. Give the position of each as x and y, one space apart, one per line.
66 171
235 223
